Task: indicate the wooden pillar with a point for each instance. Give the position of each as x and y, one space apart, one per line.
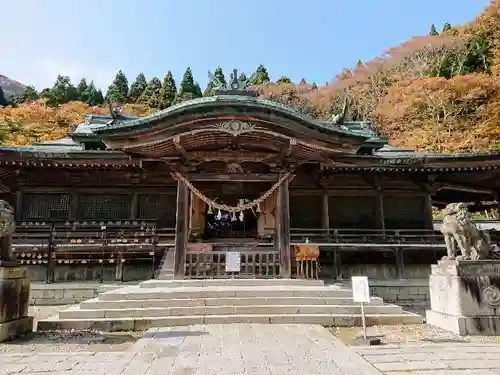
283 230
73 207
325 218
181 229
119 267
400 265
134 205
429 220
379 205
496 196
18 210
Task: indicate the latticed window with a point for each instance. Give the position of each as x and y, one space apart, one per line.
305 211
404 212
104 206
45 206
160 207
356 212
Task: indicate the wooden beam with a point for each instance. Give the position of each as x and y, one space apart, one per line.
181 229
283 230
176 141
460 187
233 177
285 153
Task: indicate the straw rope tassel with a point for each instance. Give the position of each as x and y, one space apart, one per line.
240 207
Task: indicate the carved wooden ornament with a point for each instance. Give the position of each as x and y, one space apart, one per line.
235 127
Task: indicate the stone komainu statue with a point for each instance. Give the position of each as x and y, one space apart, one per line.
7 227
460 233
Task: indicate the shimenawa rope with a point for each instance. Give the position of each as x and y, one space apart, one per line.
232 209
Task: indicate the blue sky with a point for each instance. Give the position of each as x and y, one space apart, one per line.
312 39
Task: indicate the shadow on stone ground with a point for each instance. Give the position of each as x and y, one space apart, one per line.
171 334
70 341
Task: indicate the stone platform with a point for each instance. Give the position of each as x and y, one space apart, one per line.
465 297
14 297
158 303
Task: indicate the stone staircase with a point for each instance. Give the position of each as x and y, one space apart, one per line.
158 303
166 269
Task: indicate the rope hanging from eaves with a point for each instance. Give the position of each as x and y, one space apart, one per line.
232 209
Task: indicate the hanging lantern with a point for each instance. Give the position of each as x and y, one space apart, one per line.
233 216
258 207
242 216
219 215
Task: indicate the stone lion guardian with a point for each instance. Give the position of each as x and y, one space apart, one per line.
460 233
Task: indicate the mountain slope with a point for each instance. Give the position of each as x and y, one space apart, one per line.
11 87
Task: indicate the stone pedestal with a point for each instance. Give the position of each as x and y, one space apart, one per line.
465 297
14 297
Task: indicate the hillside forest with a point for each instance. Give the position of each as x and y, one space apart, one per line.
437 92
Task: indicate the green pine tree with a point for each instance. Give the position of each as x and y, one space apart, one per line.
118 91
314 86
62 92
3 100
92 95
137 88
219 74
303 82
284 79
82 90
168 91
188 89
434 31
197 90
98 98
243 77
446 27
154 100
151 95
260 76
27 96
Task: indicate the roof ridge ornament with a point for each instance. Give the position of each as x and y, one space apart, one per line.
339 118
237 85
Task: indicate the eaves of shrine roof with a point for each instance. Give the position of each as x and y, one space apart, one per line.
41 153
239 102
389 152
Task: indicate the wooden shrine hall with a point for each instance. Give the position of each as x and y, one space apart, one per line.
231 173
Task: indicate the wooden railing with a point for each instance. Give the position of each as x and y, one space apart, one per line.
95 243
339 244
255 263
362 238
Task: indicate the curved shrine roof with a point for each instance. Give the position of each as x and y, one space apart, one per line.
80 143
221 102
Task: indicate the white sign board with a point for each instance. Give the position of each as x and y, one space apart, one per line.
233 261
360 289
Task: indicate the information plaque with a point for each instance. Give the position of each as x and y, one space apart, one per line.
233 261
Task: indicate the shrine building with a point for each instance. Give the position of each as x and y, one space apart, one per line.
171 193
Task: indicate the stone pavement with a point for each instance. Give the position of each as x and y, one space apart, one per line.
238 349
254 349
434 359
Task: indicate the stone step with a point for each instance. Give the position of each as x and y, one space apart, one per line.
229 282
96 303
78 313
144 323
138 293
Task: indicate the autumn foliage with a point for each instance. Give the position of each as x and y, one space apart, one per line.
436 93
38 122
